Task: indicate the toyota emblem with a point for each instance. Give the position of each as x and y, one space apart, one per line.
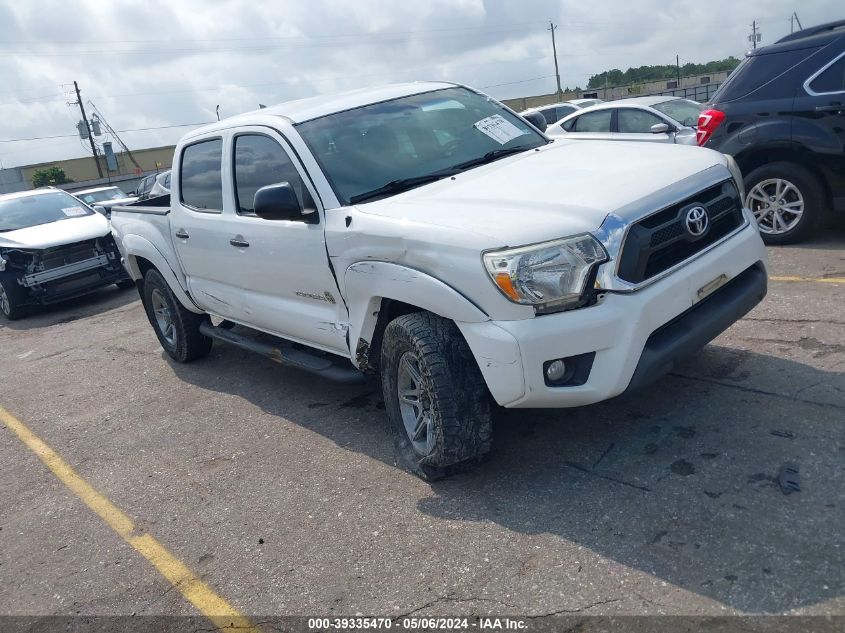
697 221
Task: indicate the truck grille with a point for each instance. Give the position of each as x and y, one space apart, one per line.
662 240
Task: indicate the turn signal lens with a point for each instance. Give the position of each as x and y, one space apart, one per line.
505 283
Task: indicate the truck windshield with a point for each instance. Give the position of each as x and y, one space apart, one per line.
382 149
21 213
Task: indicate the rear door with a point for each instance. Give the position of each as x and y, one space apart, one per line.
594 125
196 224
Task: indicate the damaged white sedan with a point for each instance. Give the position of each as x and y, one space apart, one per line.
52 248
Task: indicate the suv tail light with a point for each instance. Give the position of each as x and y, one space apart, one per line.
708 121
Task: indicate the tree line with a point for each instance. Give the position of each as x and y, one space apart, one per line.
658 72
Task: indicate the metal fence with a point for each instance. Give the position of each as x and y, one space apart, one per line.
700 93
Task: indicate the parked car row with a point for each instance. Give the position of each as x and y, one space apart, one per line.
780 114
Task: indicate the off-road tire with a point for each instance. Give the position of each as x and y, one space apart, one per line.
189 343
460 403
14 295
811 189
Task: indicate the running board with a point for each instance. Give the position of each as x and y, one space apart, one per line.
284 354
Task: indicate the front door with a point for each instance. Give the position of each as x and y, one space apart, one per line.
821 104
288 286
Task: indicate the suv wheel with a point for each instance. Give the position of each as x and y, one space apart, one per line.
435 396
177 329
11 298
787 201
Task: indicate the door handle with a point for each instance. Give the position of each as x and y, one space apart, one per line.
833 107
181 234
240 243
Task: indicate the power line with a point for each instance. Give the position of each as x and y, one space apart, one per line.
138 129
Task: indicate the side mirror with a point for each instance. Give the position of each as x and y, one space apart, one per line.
660 128
101 210
277 202
537 120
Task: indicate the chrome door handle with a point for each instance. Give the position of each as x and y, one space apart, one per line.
181 234
833 107
238 242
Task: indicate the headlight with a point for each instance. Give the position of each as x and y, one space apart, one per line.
737 174
548 275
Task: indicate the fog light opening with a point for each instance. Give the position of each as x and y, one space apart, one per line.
556 370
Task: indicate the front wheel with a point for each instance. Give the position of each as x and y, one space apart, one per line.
435 396
786 200
177 329
11 298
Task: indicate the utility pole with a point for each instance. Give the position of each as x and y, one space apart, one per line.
552 28
88 127
99 116
678 69
794 17
755 36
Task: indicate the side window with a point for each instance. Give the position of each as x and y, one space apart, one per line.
831 80
598 121
564 111
200 177
549 115
261 161
633 121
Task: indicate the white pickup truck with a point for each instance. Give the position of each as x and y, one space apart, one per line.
427 234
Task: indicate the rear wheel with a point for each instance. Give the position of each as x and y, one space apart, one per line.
435 396
11 298
787 201
176 327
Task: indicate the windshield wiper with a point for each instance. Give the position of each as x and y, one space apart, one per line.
402 184
489 157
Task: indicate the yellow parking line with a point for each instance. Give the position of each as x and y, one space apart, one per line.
820 280
204 598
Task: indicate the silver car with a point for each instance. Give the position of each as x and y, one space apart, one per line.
650 119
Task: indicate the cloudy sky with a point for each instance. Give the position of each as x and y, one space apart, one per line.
150 64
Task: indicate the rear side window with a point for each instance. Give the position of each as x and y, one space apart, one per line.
831 80
200 177
549 115
758 70
261 161
564 111
593 122
634 121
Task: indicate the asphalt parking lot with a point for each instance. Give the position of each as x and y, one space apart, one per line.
278 490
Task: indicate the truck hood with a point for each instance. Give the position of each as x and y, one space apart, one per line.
58 233
564 188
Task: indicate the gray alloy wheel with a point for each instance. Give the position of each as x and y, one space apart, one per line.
777 204
163 318
415 404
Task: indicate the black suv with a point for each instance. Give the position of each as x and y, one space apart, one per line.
781 114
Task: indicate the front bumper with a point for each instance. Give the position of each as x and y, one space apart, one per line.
636 337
